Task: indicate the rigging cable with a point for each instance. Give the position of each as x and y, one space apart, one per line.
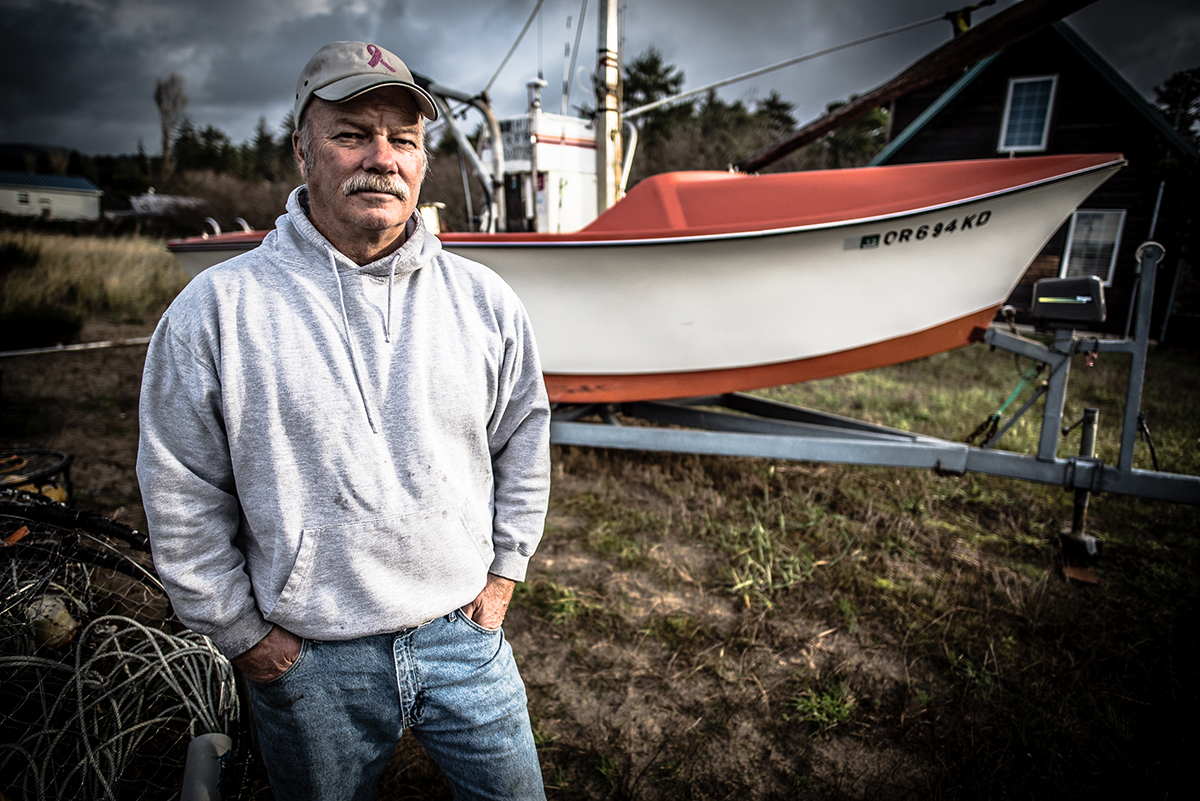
520 36
781 64
574 57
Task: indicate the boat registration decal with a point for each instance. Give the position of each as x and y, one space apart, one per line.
902 235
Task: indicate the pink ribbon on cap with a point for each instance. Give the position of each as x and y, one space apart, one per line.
377 58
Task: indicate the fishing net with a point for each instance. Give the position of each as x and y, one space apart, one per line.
36 470
99 693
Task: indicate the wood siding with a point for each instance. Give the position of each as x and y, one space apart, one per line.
1089 116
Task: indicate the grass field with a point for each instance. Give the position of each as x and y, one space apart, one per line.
50 283
710 628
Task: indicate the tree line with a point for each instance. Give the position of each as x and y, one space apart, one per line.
186 146
264 157
251 179
709 133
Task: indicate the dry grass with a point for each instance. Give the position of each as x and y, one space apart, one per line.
50 283
701 627
927 619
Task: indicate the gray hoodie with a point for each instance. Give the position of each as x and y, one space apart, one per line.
340 450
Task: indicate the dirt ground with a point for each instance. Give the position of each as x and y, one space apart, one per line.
85 405
647 677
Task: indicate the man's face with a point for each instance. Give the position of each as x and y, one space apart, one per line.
364 173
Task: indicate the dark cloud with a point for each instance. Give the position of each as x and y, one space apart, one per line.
63 82
1147 41
81 73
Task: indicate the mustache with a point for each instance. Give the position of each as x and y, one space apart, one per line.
369 182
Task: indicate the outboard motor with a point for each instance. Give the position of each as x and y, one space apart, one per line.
1070 301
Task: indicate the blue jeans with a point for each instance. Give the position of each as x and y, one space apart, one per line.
328 725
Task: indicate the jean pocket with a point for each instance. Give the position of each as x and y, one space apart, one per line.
292 668
473 625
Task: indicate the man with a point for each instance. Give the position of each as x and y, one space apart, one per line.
344 461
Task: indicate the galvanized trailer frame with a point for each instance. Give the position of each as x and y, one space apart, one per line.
773 430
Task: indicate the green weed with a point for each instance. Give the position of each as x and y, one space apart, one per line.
978 674
613 539
824 706
675 630
559 604
609 770
542 736
849 611
764 561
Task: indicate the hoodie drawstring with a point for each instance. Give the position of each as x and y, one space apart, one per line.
387 325
350 340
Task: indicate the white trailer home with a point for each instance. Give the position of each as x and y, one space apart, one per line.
51 197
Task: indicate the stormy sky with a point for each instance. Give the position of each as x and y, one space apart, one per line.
81 73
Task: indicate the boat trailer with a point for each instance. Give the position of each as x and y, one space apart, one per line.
768 429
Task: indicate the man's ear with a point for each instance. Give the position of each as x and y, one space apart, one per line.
298 154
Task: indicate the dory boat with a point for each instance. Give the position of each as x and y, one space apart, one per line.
699 283
198 253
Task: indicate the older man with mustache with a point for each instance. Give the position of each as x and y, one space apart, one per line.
344 461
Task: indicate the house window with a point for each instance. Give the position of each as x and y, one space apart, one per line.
1027 113
23 198
1092 243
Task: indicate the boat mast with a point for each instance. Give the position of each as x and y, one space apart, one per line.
535 125
608 114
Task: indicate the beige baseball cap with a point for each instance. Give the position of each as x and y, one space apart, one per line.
342 70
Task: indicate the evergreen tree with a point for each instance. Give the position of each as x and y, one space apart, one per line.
264 153
187 146
718 118
217 152
1178 98
82 165
777 112
647 79
694 135
286 158
143 159
857 142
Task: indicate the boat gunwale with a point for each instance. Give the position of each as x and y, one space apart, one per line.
187 247
228 241
564 240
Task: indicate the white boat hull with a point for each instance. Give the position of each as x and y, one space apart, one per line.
197 261
732 301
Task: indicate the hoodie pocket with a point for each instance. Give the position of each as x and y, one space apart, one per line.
351 579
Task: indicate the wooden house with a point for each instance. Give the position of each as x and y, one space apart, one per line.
1052 93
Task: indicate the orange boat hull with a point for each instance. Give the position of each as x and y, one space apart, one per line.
657 386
